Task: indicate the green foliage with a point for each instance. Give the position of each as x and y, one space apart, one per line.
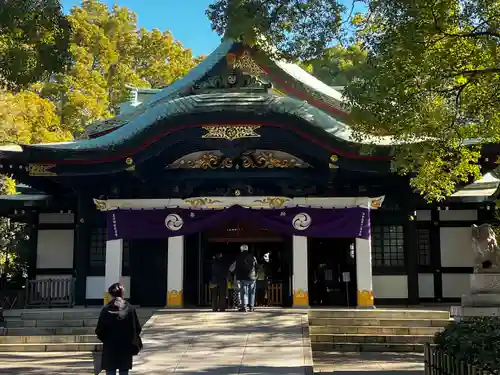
294 29
475 341
109 53
34 38
432 73
338 65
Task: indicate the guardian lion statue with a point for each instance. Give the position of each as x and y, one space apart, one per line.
486 249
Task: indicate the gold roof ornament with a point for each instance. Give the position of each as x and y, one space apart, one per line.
333 160
231 132
247 64
41 170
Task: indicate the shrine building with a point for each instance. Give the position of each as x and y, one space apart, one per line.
242 150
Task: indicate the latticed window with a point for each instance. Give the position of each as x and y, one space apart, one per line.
98 249
424 247
388 246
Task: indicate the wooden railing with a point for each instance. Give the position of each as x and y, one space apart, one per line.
274 293
438 362
57 292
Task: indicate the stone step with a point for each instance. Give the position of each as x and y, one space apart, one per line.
55 314
374 330
54 323
379 322
50 331
53 339
75 347
370 339
368 347
379 314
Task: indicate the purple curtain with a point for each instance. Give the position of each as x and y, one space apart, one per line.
298 221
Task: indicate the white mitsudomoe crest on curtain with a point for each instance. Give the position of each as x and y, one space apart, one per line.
302 221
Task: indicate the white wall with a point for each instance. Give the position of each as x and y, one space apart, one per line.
458 215
95 287
426 285
55 248
390 286
424 215
455 284
56 218
456 247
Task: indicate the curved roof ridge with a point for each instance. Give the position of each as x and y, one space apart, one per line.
307 79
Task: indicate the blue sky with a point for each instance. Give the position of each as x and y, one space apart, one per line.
188 23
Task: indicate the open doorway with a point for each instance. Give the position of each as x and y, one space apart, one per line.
228 238
332 272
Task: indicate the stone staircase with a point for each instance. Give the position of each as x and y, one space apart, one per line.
64 330
376 330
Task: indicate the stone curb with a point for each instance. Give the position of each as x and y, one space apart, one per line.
307 349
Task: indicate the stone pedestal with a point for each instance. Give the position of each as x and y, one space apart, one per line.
483 299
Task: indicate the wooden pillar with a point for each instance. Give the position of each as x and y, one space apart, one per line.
81 249
33 244
411 250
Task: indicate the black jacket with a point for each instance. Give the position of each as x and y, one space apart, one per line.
115 329
220 269
245 267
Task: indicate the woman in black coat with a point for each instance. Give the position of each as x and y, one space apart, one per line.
118 328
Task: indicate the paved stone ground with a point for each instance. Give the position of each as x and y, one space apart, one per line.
368 363
197 343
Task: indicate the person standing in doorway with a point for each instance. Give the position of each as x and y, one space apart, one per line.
245 269
218 287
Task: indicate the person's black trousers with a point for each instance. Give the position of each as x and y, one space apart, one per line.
219 295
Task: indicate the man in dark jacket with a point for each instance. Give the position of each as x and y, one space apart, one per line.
218 286
245 269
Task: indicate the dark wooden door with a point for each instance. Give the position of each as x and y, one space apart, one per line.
328 260
148 283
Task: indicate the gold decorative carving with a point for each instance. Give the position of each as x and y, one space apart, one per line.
497 162
365 298
300 298
273 202
208 161
376 203
231 133
174 298
41 170
100 205
197 202
266 159
247 64
333 160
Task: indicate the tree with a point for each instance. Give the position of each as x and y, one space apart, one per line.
34 37
338 65
432 74
110 53
25 117
294 29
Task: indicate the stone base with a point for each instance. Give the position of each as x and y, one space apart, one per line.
458 312
485 283
481 300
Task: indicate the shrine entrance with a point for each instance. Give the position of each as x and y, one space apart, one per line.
274 289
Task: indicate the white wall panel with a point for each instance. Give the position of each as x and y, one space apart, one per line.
423 215
455 284
95 287
458 215
55 248
390 286
426 285
56 218
456 247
